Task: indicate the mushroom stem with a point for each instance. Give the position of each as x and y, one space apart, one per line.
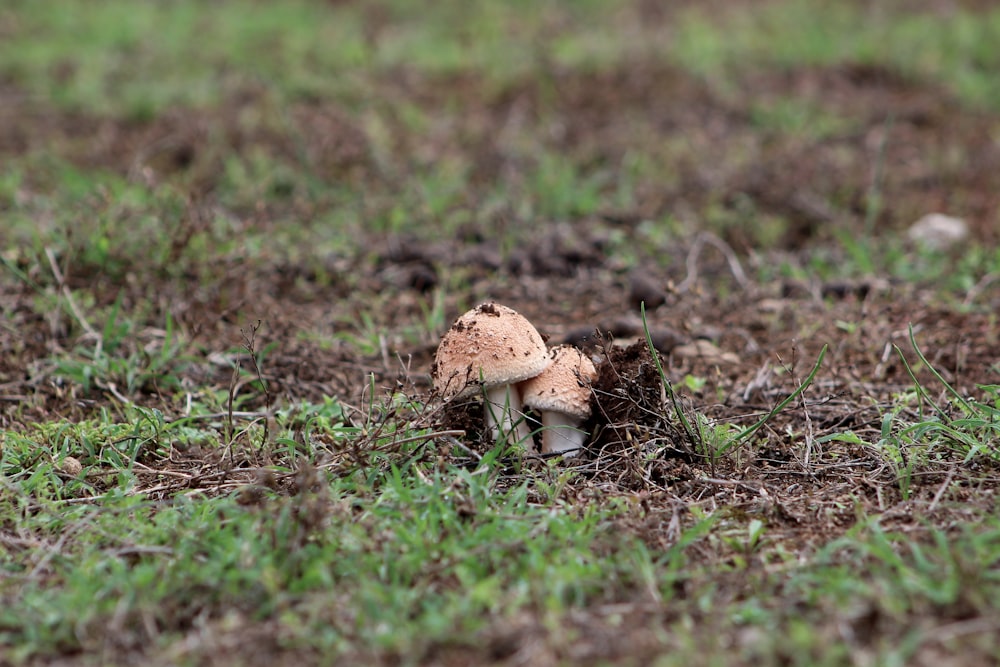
503 408
561 434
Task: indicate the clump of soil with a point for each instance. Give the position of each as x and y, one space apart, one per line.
636 439
630 402
466 415
628 396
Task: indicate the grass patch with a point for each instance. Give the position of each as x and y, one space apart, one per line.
116 58
113 57
396 556
954 50
389 557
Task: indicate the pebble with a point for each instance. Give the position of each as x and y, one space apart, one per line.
938 231
70 466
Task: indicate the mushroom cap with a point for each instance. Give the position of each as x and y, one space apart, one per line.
564 386
489 345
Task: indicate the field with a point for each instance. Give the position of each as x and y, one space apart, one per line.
232 234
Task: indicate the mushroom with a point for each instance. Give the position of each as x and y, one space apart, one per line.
490 349
561 393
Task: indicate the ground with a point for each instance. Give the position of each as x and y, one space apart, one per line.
751 231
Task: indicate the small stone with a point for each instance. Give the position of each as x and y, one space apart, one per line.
938 231
643 289
706 351
773 305
70 466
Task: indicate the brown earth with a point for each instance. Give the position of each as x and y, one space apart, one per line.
571 279
750 342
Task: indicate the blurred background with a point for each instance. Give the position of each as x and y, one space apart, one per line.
337 168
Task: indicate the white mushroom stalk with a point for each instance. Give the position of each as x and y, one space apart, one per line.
505 415
561 393
490 349
561 433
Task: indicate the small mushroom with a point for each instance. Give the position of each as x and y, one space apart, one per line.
491 348
561 393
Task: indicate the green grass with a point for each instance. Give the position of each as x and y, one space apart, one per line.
796 118
955 50
115 57
397 556
392 556
112 56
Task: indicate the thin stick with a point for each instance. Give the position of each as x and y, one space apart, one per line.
692 261
60 281
730 482
229 410
232 414
941 490
248 343
429 436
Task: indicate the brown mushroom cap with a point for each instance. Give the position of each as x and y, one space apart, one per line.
489 345
564 386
